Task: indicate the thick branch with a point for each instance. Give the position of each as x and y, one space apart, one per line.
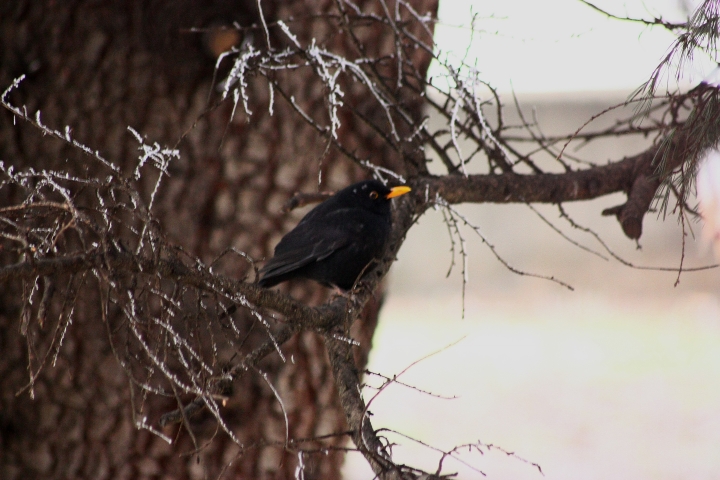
347 381
633 175
541 188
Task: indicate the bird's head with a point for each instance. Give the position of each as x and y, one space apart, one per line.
371 194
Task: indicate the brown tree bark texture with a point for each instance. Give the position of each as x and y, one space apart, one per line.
99 67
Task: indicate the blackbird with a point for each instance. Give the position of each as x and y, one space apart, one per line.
337 239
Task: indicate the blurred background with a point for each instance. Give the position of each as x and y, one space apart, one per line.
619 378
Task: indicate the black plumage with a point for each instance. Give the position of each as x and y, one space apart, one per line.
337 239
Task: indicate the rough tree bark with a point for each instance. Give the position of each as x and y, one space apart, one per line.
99 67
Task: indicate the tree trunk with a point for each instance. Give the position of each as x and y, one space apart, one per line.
99 68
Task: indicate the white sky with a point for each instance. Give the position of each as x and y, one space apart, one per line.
561 45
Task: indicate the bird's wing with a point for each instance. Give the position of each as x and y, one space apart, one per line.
309 242
295 258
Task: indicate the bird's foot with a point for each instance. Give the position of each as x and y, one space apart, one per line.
340 293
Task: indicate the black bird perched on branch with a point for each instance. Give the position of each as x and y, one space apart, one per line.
334 243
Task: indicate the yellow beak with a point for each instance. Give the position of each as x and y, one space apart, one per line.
397 191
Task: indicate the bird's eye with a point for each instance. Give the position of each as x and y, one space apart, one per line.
374 195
